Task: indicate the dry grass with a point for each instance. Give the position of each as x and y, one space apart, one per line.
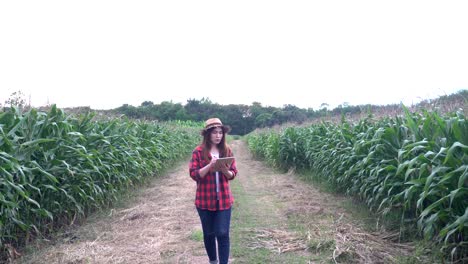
366 247
278 241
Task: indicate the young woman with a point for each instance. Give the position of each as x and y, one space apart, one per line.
213 198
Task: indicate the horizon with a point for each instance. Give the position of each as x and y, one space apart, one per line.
262 105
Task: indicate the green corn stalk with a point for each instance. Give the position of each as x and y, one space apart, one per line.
54 166
415 165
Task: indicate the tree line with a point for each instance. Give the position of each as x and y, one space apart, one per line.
246 118
242 118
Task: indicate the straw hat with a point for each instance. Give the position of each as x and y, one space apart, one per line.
215 122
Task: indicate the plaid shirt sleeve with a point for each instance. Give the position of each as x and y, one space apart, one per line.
195 165
205 197
233 169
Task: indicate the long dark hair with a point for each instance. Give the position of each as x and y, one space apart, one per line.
224 149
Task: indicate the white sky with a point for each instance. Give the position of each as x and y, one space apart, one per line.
107 53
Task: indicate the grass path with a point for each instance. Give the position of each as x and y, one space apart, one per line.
280 219
276 218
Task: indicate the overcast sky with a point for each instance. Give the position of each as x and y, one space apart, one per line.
107 53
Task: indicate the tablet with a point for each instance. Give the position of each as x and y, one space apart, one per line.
223 162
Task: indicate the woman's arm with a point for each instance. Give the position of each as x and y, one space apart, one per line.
196 171
230 172
205 170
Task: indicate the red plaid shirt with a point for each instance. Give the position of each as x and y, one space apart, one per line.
205 197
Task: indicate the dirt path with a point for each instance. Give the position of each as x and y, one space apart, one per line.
276 218
155 228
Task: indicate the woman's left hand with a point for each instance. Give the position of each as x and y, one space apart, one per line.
226 171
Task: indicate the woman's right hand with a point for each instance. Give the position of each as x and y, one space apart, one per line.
205 170
213 162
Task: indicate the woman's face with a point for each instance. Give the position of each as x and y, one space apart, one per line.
216 135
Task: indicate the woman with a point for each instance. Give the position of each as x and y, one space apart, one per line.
213 196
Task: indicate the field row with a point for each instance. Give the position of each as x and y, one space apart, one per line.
55 167
414 166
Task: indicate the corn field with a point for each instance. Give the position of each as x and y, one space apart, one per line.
55 167
416 165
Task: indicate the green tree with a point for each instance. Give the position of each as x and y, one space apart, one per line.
263 120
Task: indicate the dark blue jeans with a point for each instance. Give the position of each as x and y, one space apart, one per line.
215 226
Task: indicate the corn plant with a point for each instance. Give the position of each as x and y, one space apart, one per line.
416 164
54 167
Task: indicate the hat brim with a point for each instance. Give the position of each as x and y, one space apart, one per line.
225 128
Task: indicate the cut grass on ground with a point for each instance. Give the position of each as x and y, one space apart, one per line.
251 220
